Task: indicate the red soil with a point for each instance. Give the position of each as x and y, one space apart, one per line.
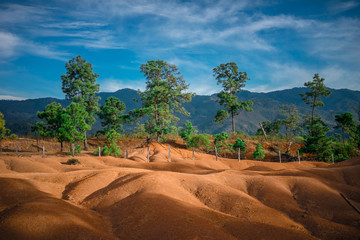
116 198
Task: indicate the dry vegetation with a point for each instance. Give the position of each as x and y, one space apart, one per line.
117 198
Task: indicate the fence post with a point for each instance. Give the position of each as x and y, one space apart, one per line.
193 154
298 156
17 146
239 155
73 149
169 154
332 158
99 151
216 153
148 154
43 152
127 154
280 156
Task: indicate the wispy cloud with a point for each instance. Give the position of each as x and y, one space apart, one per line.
337 7
113 84
8 97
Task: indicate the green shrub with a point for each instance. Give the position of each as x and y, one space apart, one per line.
239 144
342 153
200 141
72 161
259 153
13 137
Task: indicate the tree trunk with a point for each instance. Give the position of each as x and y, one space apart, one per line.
156 122
313 111
233 121
85 142
343 137
61 146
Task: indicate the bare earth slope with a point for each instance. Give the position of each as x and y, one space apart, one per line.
115 198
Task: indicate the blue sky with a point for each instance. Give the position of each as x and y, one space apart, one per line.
280 44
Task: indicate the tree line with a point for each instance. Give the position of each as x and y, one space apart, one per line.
164 94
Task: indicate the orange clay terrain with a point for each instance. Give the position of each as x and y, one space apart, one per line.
117 198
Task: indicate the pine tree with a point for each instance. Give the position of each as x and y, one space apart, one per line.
232 81
346 123
164 94
313 97
316 141
79 85
259 153
292 119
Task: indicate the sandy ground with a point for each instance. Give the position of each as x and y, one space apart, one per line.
116 198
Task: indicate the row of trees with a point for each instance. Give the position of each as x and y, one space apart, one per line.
165 92
313 130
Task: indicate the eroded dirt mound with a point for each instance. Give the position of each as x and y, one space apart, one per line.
115 198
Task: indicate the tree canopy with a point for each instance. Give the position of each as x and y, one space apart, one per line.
165 91
232 80
79 85
314 96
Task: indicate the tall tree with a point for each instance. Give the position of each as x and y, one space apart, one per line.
165 91
316 141
3 129
51 115
73 124
111 114
346 123
79 85
271 128
292 119
232 81
314 96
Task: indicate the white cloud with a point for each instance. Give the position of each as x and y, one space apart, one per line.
8 97
113 84
337 7
8 45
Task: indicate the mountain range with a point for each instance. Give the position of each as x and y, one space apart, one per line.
21 114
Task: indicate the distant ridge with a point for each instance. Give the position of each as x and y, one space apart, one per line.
21 114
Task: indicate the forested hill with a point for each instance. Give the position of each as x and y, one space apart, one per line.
20 115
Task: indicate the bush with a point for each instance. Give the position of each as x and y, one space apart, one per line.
13 137
72 161
239 144
259 153
342 153
200 141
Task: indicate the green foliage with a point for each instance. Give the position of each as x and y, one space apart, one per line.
72 161
220 143
232 80
77 150
316 141
342 152
271 128
292 119
79 85
259 153
187 133
51 115
164 94
239 144
346 123
111 147
140 131
72 123
3 129
111 114
313 97
200 141
13 137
